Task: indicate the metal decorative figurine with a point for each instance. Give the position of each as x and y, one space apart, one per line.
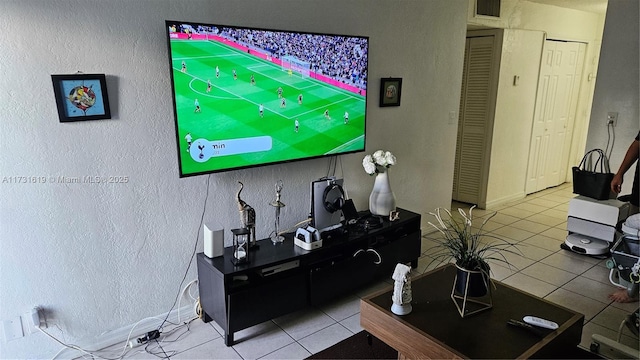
247 216
277 238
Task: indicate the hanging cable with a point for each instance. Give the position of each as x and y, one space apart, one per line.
606 149
613 140
329 167
193 254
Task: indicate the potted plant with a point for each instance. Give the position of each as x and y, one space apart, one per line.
470 249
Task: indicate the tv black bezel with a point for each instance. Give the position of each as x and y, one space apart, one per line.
168 23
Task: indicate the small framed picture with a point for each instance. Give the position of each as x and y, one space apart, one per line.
81 97
390 90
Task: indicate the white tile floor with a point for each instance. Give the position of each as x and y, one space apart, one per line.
537 222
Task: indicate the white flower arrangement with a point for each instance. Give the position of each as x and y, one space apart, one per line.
378 161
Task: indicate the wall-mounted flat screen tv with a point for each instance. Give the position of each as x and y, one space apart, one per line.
246 97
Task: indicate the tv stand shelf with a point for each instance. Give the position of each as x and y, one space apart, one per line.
239 296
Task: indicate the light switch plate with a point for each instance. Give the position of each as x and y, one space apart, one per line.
452 117
12 329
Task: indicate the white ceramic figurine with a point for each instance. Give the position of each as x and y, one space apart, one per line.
401 290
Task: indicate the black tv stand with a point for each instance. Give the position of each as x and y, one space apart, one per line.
283 278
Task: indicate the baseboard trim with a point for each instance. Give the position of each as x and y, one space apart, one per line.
119 336
504 200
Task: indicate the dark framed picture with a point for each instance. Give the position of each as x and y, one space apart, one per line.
390 90
81 97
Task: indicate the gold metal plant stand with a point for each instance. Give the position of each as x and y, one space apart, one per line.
468 305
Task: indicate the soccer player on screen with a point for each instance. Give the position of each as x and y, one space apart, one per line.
346 117
280 92
188 138
197 105
253 80
235 75
297 124
283 103
326 115
217 72
184 67
261 110
290 72
208 85
300 99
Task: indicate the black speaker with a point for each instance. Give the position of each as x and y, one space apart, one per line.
335 204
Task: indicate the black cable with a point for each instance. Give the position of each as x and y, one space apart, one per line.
161 348
346 192
157 353
329 167
193 254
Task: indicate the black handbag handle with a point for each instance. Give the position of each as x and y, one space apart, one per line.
602 160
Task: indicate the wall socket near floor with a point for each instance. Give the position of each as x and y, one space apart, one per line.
20 326
612 118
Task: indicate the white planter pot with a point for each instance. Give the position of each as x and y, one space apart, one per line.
382 201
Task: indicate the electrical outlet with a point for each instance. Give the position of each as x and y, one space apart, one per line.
12 329
612 118
31 321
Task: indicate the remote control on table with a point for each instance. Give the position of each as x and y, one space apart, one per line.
536 330
543 323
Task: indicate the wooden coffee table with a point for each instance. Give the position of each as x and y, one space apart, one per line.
434 329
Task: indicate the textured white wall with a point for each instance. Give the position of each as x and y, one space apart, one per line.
617 86
100 257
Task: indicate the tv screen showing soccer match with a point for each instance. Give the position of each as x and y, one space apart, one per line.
246 97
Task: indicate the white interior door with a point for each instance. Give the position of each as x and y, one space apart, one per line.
556 103
577 59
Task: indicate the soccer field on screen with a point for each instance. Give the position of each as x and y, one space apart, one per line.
229 110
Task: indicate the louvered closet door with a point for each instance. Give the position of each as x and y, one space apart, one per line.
474 125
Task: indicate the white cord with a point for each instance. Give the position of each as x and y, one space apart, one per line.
611 278
635 271
93 352
192 297
71 346
195 281
296 226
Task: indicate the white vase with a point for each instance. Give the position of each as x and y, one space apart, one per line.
382 201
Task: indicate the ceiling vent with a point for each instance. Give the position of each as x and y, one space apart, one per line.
489 8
